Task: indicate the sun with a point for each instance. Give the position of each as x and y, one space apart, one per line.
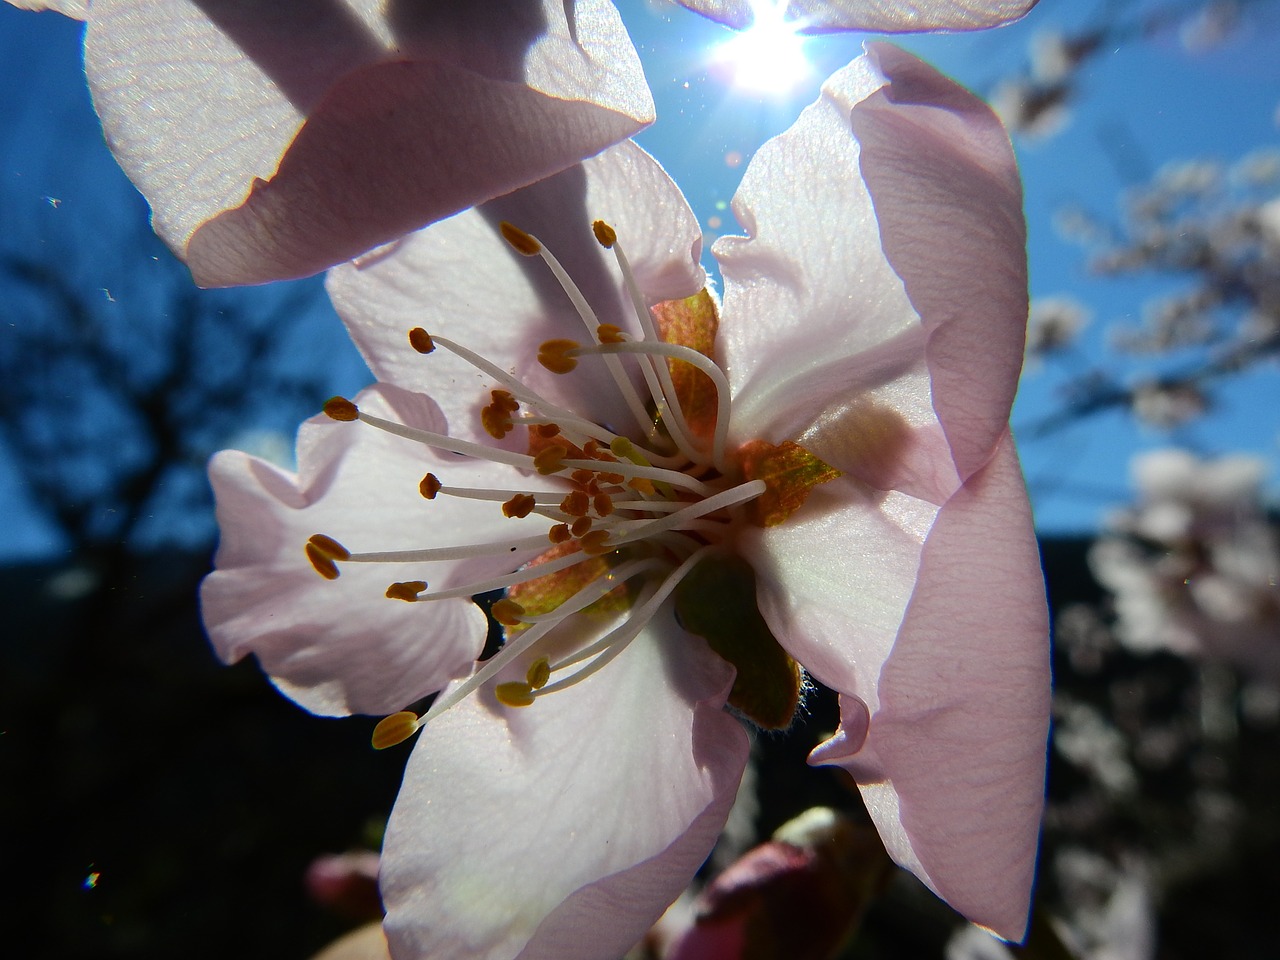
768 57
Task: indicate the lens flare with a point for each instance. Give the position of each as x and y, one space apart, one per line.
768 57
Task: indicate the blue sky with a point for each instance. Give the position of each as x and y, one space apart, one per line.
1151 102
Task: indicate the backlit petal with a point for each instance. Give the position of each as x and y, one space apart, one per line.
460 279
342 646
948 199
886 16
952 769
274 140
519 831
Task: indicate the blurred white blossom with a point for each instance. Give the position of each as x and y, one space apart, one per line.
1194 564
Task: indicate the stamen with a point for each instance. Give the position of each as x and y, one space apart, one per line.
420 340
566 418
523 242
340 408
408 590
394 729
650 335
625 387
461 552
322 551
519 506
440 441
539 673
514 694
555 355
605 234
617 640
643 529
430 486
507 612
559 533
688 355
524 574
542 626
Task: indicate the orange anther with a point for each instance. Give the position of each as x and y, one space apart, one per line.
407 591
591 449
603 504
340 408
580 527
521 505
559 533
606 236
609 333
594 543
548 430
576 503
430 486
523 242
394 729
420 340
554 354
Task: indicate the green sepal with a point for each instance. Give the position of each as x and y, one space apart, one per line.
717 601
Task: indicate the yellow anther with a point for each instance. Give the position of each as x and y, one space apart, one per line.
594 543
514 694
550 459
539 673
430 486
420 340
622 447
554 354
340 408
521 505
394 729
407 590
576 503
580 527
523 242
609 333
605 234
507 612
559 533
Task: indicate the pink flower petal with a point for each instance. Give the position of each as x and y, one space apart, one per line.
517 831
886 16
834 581
952 769
341 646
460 279
861 279
275 140
948 199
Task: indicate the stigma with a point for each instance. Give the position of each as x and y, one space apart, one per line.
631 509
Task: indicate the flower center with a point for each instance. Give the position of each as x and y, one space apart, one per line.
629 515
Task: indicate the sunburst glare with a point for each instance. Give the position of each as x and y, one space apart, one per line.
768 57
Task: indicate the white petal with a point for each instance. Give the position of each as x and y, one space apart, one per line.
342 646
460 279
564 829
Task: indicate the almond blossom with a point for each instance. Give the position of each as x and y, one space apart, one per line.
680 504
273 140
887 16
